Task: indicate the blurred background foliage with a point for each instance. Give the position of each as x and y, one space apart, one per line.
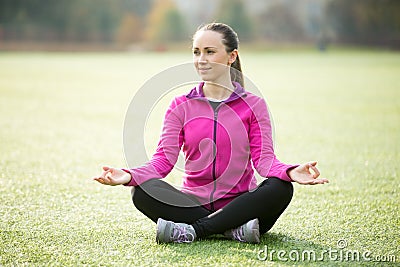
145 24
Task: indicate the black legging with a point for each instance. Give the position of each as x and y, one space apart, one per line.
266 203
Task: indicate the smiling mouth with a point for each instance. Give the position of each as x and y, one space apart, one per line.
204 69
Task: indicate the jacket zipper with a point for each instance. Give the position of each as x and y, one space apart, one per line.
214 159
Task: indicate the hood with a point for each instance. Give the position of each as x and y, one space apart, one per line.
197 92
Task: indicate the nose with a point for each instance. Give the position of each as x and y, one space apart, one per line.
202 58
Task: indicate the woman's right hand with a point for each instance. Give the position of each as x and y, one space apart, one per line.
113 176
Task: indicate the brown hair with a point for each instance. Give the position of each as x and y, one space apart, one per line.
231 42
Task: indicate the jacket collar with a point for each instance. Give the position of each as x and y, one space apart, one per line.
197 92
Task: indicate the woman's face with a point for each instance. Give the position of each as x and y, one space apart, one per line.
210 58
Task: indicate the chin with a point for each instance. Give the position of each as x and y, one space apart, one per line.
206 78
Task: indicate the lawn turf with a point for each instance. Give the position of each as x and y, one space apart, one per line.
61 119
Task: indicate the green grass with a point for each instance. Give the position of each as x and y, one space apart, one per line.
61 119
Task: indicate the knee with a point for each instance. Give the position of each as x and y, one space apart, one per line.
288 190
137 194
141 192
134 192
289 187
284 188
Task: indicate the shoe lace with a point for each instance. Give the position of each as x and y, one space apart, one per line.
180 234
238 234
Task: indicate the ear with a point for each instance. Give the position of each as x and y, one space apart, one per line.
232 56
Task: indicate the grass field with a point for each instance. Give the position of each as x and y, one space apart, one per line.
61 119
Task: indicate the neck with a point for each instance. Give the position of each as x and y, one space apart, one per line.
218 91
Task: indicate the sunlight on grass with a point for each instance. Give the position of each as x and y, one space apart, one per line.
62 119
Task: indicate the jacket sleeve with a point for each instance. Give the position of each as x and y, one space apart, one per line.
261 144
167 152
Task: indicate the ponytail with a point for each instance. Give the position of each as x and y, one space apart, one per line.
236 72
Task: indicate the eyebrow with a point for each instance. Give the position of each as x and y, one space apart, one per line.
208 47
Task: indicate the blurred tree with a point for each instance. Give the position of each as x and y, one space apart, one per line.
165 23
368 22
93 21
173 27
129 30
33 19
279 23
139 8
233 13
65 20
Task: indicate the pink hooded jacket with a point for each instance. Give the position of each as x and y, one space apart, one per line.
222 147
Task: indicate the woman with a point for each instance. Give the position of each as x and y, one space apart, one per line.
220 194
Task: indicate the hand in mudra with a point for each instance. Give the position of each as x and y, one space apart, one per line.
113 176
307 174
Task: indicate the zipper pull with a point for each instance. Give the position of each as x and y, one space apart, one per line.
215 115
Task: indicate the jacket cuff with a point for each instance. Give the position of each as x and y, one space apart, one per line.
285 175
132 182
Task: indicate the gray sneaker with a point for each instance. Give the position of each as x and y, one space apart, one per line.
168 231
248 232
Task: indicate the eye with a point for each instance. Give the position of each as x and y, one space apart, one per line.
210 52
196 52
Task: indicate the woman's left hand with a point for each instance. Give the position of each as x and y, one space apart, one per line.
307 174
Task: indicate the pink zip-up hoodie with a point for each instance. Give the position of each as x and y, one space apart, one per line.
222 147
